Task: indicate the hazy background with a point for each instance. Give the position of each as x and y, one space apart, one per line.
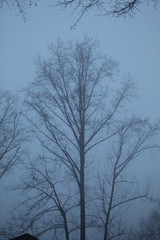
133 42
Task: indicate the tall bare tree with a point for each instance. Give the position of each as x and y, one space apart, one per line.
11 135
74 108
68 100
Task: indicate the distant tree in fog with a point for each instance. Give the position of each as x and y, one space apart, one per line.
11 134
76 110
149 228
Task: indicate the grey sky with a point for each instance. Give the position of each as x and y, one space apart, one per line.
134 42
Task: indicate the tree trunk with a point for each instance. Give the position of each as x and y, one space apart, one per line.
82 180
66 227
110 204
82 201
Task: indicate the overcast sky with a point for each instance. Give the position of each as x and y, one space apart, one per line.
134 42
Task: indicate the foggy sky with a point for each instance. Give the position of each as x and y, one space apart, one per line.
133 42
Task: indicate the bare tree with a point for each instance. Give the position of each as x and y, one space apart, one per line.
11 135
148 228
51 202
74 108
20 5
68 100
115 190
116 8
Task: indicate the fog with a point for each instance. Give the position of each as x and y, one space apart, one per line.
133 42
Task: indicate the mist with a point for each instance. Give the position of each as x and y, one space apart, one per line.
38 70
